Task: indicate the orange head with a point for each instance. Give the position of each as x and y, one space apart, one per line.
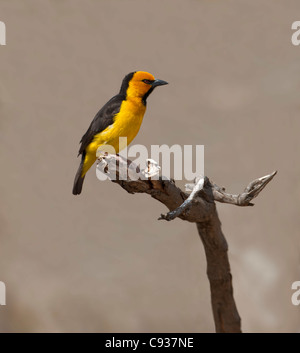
139 84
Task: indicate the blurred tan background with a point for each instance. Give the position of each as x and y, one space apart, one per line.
101 262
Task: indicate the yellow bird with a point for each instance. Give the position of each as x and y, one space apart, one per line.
121 116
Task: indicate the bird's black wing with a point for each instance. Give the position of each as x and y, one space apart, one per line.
102 120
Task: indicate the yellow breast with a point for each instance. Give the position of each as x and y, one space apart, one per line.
126 124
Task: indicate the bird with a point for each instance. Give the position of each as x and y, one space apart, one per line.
121 116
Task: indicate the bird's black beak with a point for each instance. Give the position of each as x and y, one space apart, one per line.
159 83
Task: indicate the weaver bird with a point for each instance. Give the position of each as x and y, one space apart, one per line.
121 116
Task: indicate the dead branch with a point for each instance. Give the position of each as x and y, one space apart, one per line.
243 199
186 204
219 194
199 207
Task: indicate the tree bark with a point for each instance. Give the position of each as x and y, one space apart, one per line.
226 316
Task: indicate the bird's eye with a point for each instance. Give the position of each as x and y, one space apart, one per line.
148 82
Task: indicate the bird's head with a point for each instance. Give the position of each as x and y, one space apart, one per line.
140 84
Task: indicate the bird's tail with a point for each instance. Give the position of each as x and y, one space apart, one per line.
77 187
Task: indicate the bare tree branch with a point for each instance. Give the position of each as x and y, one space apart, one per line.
186 204
243 199
199 207
226 316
